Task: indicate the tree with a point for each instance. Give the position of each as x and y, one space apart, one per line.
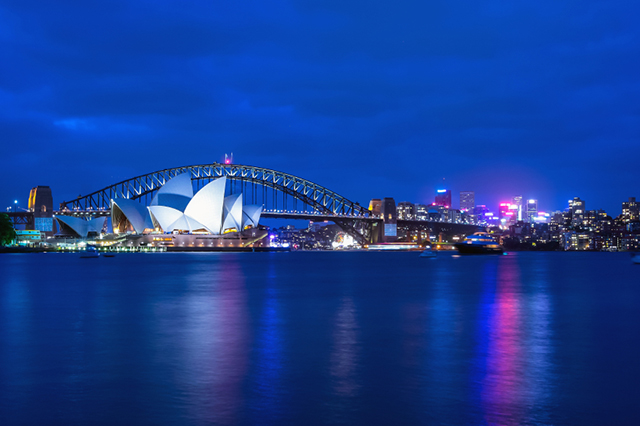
7 233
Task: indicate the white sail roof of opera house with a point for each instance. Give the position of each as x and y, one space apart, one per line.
207 205
163 217
80 226
135 212
251 215
232 212
176 208
176 192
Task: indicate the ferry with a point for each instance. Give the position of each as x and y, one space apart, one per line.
479 243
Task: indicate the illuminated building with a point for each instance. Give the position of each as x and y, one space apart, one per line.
577 208
41 204
630 210
175 208
504 211
480 210
41 200
443 198
389 217
518 210
28 237
532 210
374 206
205 219
421 212
72 226
467 200
405 210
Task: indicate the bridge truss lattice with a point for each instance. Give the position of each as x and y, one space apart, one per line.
273 189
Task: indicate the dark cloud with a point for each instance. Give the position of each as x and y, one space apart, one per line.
370 99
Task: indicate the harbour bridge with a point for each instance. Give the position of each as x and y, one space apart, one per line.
282 195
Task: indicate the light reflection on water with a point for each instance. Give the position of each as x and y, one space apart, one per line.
216 343
503 383
511 365
344 355
270 358
318 338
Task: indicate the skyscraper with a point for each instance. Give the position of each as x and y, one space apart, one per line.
517 201
532 210
630 210
467 200
577 207
503 210
443 198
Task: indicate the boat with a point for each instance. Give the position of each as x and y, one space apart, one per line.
636 259
109 254
428 253
90 253
479 243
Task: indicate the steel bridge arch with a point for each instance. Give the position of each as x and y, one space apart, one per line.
316 196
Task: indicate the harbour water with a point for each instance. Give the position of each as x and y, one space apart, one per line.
314 338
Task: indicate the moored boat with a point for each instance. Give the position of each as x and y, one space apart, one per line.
479 243
428 252
90 253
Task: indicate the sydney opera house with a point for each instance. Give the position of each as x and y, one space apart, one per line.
177 219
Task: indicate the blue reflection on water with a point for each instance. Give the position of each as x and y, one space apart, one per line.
267 383
344 355
319 338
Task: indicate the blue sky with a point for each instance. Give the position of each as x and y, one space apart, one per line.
370 99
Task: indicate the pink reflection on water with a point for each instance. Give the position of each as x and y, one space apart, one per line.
503 383
216 344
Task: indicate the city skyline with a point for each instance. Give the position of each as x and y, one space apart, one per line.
369 101
453 203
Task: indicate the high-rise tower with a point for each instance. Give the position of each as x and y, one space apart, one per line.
467 200
443 198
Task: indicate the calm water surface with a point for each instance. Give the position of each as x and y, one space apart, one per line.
319 338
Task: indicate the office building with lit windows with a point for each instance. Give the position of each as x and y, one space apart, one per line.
405 210
532 210
577 207
443 198
467 200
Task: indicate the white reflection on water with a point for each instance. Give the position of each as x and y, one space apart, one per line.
344 356
215 343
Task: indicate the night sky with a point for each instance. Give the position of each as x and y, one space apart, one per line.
370 99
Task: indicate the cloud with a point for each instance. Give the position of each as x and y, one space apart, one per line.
366 98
